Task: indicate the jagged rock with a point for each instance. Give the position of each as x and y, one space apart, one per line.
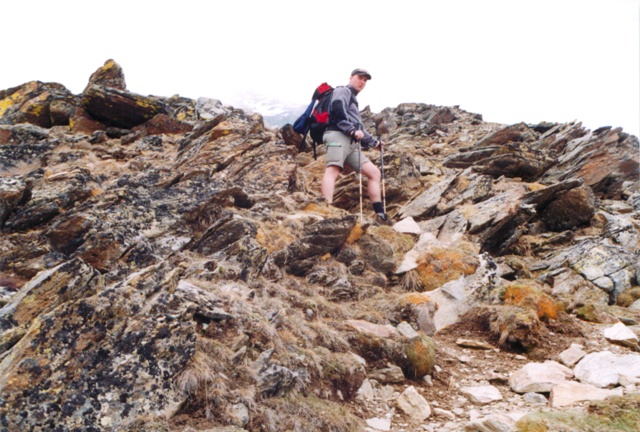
50 196
574 290
504 152
11 192
427 202
119 108
323 237
460 295
609 267
128 359
603 158
70 281
407 225
622 335
164 124
572 355
219 285
31 103
570 209
108 75
23 134
207 108
377 253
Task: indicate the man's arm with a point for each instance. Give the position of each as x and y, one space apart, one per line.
339 103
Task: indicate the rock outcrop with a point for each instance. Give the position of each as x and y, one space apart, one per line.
166 264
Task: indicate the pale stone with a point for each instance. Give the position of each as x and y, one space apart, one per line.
604 369
439 412
239 414
365 392
534 398
622 335
407 226
384 331
494 423
405 329
379 424
482 395
539 377
390 374
572 355
414 404
425 242
571 392
635 305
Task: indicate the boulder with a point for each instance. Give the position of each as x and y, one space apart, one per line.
605 369
120 108
539 377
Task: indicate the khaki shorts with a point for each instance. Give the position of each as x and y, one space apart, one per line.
342 150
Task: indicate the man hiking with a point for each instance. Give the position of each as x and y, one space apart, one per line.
344 137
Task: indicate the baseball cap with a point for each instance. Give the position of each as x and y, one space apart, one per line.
362 72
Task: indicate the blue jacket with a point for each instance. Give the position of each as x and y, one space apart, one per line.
344 114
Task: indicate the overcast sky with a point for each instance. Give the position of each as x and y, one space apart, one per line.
511 61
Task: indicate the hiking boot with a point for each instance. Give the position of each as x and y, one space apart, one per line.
383 219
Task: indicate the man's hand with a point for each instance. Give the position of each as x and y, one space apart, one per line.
358 134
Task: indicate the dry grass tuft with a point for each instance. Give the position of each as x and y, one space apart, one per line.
304 414
411 281
628 297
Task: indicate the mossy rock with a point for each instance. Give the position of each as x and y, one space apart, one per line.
442 265
530 297
417 356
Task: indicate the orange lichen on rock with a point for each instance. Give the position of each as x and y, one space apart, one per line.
415 298
532 298
440 266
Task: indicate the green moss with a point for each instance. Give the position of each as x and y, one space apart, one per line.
615 414
419 356
304 414
588 313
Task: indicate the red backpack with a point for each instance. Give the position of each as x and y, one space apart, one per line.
315 118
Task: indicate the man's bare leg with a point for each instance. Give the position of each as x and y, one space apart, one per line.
328 184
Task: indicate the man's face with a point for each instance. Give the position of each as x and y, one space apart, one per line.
358 82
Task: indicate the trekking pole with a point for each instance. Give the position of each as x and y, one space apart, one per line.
382 128
360 176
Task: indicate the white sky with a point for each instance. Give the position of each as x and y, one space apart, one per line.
509 60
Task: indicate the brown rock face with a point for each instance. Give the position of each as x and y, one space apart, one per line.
571 209
119 108
32 103
167 263
109 75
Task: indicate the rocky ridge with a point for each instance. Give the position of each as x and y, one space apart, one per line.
165 264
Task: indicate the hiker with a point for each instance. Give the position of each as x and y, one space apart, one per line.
344 137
